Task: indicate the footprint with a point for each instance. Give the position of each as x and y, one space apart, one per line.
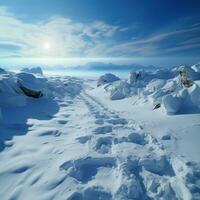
85 169
60 121
101 116
99 121
91 193
55 133
83 139
56 182
157 164
131 184
137 138
103 144
76 196
120 121
97 193
103 129
20 168
35 178
192 179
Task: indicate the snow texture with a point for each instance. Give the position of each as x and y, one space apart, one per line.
82 142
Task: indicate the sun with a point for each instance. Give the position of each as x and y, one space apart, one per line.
46 45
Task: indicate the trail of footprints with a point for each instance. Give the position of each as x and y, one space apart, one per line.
131 176
126 170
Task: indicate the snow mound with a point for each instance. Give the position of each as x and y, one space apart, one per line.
107 78
172 104
10 93
34 70
187 100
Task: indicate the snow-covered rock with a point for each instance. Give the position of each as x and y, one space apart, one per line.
107 78
155 85
120 91
134 76
30 82
10 93
194 92
172 104
192 71
196 67
191 97
34 70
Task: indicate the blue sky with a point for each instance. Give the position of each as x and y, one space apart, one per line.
100 28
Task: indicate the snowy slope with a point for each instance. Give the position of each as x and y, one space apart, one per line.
76 143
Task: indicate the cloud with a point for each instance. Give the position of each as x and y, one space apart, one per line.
68 38
158 43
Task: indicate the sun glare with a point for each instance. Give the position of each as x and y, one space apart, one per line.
46 45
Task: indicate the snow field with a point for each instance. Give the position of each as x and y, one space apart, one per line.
69 144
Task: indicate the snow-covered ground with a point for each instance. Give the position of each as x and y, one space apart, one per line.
65 138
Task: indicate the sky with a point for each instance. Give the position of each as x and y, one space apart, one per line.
127 29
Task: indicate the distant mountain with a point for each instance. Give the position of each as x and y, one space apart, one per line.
100 66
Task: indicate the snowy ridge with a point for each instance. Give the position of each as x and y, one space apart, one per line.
70 144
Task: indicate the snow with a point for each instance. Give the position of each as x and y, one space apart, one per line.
80 141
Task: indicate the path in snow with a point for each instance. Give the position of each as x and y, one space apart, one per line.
87 151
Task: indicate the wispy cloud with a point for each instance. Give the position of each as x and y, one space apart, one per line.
69 38
158 43
66 37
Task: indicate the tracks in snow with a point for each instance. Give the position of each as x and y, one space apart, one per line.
137 161
88 151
